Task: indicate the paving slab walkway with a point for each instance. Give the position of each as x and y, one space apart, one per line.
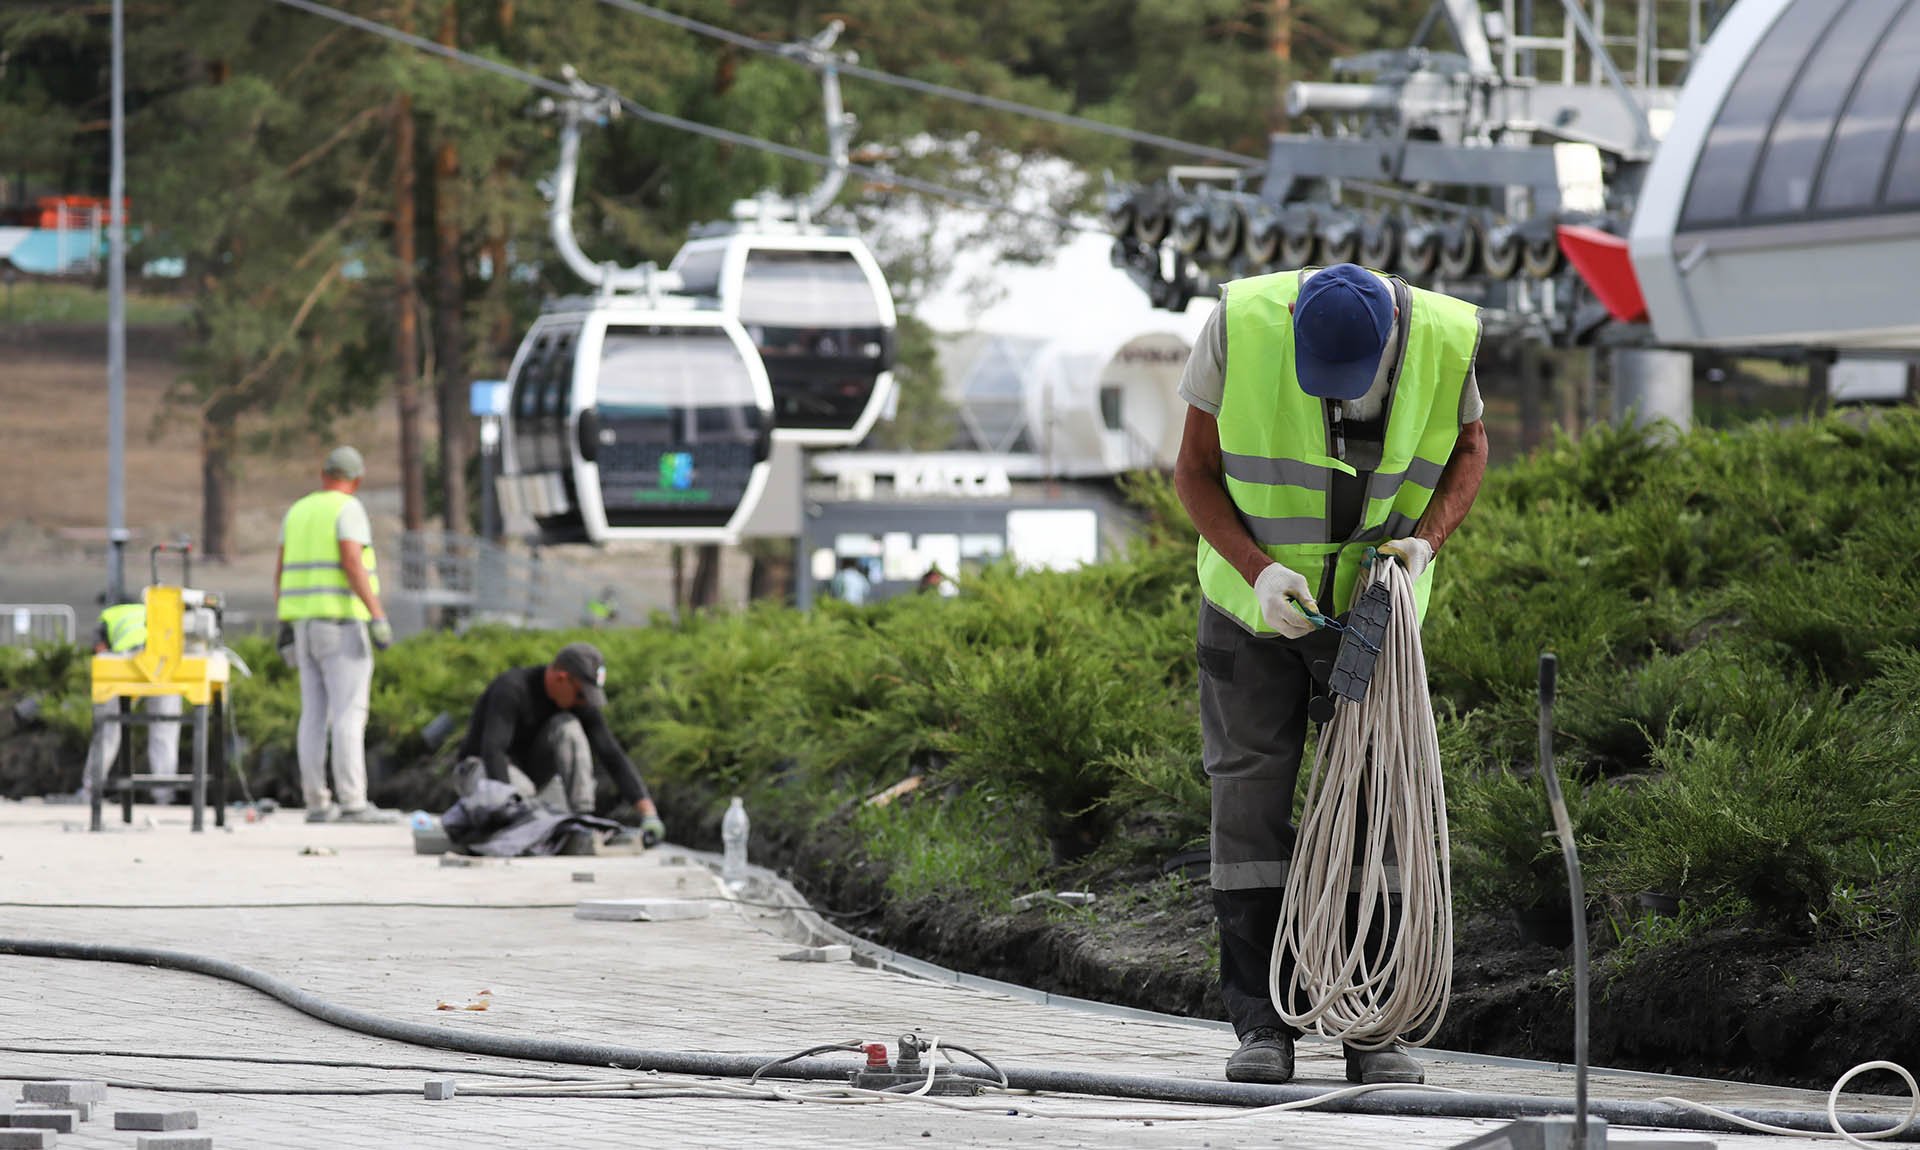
351 914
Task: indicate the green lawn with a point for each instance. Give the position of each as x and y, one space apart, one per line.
29 302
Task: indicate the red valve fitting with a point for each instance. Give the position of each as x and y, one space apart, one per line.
876 1055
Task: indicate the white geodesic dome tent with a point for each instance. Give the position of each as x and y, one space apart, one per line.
1071 369
1075 410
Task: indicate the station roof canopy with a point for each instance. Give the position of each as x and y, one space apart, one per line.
1783 206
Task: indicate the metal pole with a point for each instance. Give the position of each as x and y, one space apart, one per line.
1576 889
117 322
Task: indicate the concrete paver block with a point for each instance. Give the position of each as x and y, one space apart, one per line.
838 952
62 1093
642 909
156 1119
28 1139
25 1118
583 876
439 1089
174 1142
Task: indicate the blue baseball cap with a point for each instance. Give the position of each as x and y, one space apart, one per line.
1341 323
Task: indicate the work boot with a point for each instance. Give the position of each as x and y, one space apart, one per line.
1265 1055
326 814
369 815
1377 1067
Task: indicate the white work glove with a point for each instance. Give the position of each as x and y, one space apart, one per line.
1277 589
1413 552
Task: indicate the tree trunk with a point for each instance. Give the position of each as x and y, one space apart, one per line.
216 488
771 576
705 588
1280 45
406 333
449 341
679 580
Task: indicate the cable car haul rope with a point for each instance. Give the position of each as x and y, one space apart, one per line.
1367 917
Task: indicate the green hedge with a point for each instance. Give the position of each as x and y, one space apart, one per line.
1735 614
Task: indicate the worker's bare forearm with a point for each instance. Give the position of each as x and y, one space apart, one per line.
353 565
363 587
1459 484
1211 509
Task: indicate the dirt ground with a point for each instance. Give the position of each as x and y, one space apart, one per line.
53 443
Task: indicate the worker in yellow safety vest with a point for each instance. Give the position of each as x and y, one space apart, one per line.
327 597
123 631
1331 413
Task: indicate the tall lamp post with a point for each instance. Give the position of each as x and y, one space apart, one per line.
117 322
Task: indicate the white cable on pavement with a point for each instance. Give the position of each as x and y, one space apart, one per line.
1833 1109
1376 803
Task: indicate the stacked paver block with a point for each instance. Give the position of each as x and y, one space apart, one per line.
64 1093
23 1118
156 1120
175 1142
11 1139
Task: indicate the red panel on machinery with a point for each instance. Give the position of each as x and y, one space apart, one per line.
1602 261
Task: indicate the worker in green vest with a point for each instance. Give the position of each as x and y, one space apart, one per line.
1331 413
327 597
123 631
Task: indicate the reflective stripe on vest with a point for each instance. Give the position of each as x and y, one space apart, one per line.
1276 457
126 627
312 583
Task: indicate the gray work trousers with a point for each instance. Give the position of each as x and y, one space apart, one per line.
335 658
1253 730
163 744
565 759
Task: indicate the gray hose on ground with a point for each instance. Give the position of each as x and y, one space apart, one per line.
1407 1103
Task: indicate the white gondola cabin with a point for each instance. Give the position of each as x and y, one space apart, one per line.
821 314
636 418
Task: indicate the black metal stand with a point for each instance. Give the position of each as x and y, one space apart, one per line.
209 759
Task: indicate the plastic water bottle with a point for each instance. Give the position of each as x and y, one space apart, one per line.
733 835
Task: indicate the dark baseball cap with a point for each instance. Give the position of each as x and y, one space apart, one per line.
583 662
1341 322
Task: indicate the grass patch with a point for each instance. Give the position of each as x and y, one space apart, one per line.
28 302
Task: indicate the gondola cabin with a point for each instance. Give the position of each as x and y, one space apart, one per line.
635 418
821 314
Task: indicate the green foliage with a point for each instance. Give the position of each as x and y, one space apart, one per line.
1735 726
965 844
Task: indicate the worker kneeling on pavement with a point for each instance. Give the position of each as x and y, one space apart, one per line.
1331 412
123 631
540 729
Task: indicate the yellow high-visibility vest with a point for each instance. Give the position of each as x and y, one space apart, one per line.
313 585
1278 465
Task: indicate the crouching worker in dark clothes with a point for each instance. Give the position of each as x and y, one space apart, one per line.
541 729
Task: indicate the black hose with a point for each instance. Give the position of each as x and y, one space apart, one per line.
1405 1103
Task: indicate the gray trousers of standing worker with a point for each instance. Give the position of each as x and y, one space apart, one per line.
163 744
1253 728
335 659
562 749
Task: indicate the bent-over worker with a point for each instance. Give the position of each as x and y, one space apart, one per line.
1331 412
123 631
541 728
